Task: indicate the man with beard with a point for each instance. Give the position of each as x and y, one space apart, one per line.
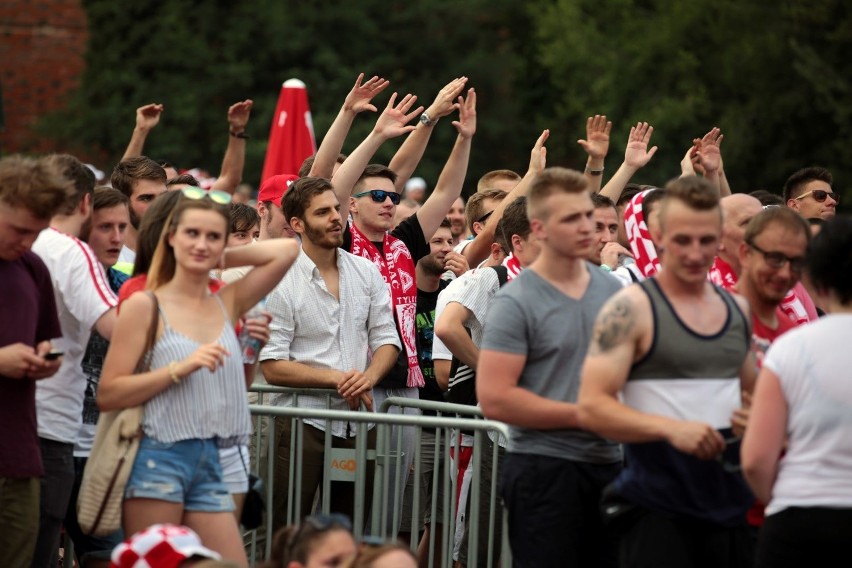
141 179
330 311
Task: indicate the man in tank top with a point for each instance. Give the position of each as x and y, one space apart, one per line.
664 372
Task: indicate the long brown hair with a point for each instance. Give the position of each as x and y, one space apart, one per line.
163 264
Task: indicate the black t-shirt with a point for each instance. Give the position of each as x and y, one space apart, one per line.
410 233
425 319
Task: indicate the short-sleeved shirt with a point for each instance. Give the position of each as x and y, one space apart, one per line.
82 297
409 232
530 317
310 326
26 298
812 364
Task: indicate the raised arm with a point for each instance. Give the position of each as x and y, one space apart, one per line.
358 100
409 154
596 145
271 260
636 156
451 180
235 154
480 247
147 117
391 123
709 155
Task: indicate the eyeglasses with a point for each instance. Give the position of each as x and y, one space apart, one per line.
820 195
379 195
485 217
215 196
778 260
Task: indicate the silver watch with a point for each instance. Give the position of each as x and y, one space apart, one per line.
424 118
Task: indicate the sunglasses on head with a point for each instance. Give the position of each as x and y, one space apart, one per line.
379 195
778 260
820 195
215 196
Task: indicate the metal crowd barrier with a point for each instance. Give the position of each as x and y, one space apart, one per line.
385 519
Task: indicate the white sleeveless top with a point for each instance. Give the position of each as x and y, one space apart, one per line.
204 404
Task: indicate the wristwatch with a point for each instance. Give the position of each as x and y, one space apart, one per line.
424 118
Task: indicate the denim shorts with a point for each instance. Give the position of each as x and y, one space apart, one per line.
185 472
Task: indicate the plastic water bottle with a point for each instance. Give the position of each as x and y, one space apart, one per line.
250 346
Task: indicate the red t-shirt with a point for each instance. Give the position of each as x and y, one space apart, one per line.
137 284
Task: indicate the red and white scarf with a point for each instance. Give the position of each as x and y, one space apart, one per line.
644 252
513 266
397 268
794 303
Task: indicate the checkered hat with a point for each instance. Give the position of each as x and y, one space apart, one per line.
160 546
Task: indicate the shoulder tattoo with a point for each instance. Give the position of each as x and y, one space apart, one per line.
616 320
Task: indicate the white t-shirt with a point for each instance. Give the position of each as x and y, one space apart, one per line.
82 297
812 363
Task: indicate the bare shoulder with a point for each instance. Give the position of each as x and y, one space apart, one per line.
624 319
742 303
137 305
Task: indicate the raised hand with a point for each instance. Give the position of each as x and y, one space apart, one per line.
393 120
686 164
538 155
610 253
358 99
708 152
148 116
456 263
596 143
637 155
238 115
466 124
445 102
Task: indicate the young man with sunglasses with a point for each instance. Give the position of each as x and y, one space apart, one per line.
665 368
808 192
372 196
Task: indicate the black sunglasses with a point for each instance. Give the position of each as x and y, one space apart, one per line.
820 195
484 217
778 260
379 195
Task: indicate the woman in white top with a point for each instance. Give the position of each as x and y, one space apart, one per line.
194 394
804 397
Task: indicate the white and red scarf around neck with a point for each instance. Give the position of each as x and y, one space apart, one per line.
794 306
513 266
397 269
644 252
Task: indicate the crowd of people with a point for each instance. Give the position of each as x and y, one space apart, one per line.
669 359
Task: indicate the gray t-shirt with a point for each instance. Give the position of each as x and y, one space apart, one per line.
530 317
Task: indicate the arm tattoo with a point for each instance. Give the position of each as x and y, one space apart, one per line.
614 324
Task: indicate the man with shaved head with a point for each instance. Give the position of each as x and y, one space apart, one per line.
737 210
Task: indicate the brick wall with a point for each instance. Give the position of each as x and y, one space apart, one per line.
42 46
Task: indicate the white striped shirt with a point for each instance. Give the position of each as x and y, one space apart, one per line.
82 295
204 404
310 326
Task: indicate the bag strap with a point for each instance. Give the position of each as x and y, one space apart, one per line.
145 365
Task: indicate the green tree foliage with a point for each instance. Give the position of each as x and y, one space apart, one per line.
771 75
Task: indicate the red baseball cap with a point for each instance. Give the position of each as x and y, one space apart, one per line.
163 546
273 188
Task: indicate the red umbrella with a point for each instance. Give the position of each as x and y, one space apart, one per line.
291 137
